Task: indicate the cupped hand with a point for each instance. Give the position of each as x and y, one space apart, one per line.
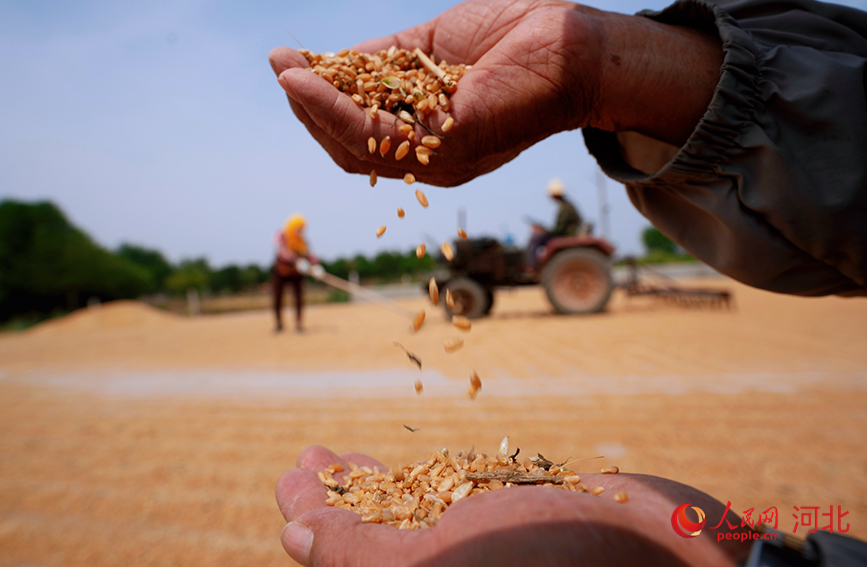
534 67
529 525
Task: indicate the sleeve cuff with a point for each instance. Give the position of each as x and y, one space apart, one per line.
732 105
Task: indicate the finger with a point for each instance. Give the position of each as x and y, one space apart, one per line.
343 128
282 58
341 155
299 491
317 458
322 533
362 460
343 539
418 36
335 113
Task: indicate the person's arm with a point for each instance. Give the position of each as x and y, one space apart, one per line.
538 68
771 186
532 526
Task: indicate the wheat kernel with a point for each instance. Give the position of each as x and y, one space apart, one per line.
418 321
431 141
461 491
380 231
461 322
453 345
447 251
419 194
434 291
475 381
401 150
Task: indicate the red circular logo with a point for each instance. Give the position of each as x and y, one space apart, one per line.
681 524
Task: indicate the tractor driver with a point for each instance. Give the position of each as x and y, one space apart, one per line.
568 223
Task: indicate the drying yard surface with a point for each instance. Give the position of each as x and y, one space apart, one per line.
135 437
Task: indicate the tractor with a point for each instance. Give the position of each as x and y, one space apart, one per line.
575 272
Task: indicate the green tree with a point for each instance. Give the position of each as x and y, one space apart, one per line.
412 264
227 280
387 266
47 264
363 266
150 260
252 276
340 268
194 274
655 241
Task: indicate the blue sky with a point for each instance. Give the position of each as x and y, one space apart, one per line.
162 124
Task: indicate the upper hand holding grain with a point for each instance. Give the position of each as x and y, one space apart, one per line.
532 64
538 67
516 526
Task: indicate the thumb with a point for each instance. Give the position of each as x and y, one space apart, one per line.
332 111
332 536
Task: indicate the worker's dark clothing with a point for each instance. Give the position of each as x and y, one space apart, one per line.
771 187
568 219
282 274
567 224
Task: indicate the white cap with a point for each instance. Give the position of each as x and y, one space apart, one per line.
556 188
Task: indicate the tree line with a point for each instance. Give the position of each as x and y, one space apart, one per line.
47 265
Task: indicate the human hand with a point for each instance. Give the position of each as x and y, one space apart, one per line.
529 525
538 67
534 64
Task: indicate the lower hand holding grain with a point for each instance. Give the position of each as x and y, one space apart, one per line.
538 67
528 525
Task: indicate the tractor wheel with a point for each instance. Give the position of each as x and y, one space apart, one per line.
489 296
578 280
470 297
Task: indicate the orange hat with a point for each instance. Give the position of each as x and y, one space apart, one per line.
295 223
292 233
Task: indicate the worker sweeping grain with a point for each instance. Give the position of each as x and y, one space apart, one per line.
291 247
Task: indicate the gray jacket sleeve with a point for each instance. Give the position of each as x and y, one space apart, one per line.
771 187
